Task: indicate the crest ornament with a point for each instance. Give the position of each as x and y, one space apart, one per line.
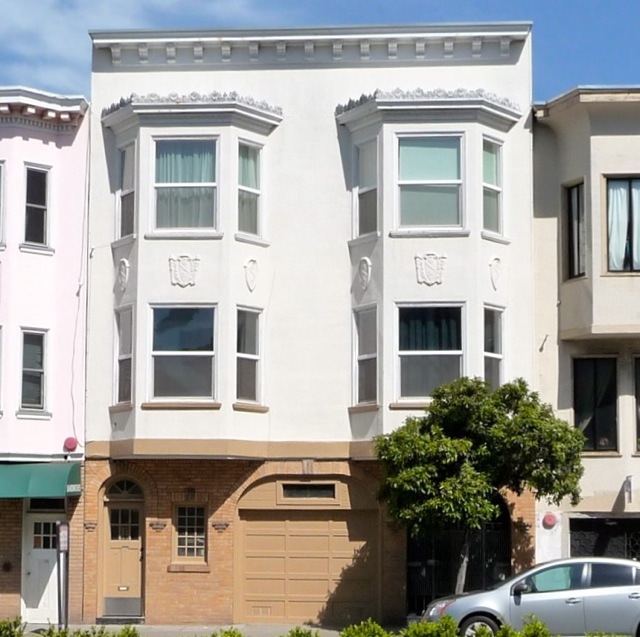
251 274
364 272
429 268
495 270
183 270
123 274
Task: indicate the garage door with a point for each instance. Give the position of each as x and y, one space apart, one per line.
309 566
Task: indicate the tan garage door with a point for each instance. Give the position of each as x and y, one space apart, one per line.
309 566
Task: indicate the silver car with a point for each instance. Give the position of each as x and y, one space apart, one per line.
573 596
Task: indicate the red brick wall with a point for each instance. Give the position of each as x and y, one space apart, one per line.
10 557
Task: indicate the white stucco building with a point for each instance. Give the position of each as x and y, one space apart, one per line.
43 191
587 264
294 236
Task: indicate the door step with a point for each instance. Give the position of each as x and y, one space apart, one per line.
120 620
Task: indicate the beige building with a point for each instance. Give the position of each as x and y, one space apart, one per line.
295 236
587 229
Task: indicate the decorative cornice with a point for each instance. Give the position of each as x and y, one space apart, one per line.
437 95
193 98
20 106
27 122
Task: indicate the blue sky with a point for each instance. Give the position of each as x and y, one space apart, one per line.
44 44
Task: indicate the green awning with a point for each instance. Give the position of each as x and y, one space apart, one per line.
40 479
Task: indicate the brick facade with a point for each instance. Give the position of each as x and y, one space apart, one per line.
10 557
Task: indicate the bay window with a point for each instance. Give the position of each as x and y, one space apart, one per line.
368 188
493 347
430 348
185 183
491 187
367 355
127 192
623 223
124 324
429 180
248 355
576 231
183 352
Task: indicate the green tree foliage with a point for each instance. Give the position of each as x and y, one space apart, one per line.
444 468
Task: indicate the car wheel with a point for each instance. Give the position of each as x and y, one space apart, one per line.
469 626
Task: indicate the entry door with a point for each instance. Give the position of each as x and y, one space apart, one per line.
123 561
40 572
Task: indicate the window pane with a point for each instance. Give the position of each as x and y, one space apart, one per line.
623 224
637 379
127 168
490 163
124 331
37 187
248 166
429 205
368 165
32 390
124 380
191 207
367 211
33 352
492 371
367 331
420 375
247 212
368 380
559 578
247 341
126 214
185 161
430 328
595 398
191 532
577 231
183 329
183 376
611 575
247 379
429 158
35 225
491 210
492 331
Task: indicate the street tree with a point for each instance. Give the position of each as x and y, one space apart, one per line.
444 469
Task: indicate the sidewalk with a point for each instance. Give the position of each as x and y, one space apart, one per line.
195 630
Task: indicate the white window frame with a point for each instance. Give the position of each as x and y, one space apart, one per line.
121 356
185 230
254 191
46 209
42 408
498 356
496 189
576 229
363 190
460 182
257 357
359 357
213 354
197 533
128 164
399 353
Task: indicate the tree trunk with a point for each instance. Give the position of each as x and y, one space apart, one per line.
462 566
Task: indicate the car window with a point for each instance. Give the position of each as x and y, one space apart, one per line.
556 578
611 575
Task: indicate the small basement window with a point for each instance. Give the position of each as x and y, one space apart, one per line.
303 490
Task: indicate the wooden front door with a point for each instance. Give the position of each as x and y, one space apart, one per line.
123 561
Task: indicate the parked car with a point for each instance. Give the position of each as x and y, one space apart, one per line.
573 596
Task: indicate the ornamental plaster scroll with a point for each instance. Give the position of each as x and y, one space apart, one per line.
495 271
183 269
364 272
429 268
123 274
251 274
194 97
419 94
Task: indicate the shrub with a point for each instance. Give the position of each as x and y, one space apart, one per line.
11 627
366 628
444 627
227 632
533 627
298 631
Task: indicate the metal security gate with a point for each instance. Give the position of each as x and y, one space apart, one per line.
608 537
432 561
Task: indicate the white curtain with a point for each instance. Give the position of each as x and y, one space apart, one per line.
635 239
618 221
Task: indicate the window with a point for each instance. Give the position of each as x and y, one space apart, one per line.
249 189
367 355
430 348
606 575
557 578
637 382
309 490
491 187
124 321
368 188
36 208
594 402
429 181
576 231
183 355
185 183
248 355
493 347
32 370
190 532
623 208
127 192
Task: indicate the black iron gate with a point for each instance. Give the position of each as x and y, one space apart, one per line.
608 537
432 561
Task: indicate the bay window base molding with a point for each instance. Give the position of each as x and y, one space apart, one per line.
178 405
410 405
